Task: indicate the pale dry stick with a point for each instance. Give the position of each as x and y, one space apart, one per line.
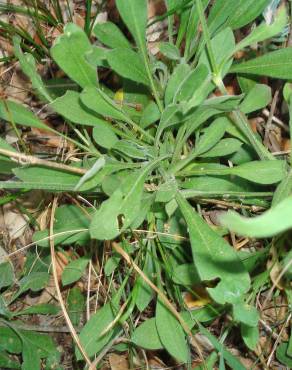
29 159
161 295
269 124
278 340
88 292
285 269
117 318
59 294
276 120
40 240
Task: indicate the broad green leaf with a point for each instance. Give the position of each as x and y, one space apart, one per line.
186 274
270 223
75 305
17 113
128 64
169 117
131 149
169 50
71 107
230 359
97 56
223 45
39 309
276 64
9 340
211 135
104 136
30 357
265 31
43 344
146 335
224 147
90 335
6 275
125 202
134 15
246 11
250 335
246 314
28 66
191 87
257 98
92 172
179 74
95 100
110 35
167 325
69 52
74 270
67 219
214 258
220 11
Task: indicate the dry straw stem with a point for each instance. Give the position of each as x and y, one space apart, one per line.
59 294
42 162
162 296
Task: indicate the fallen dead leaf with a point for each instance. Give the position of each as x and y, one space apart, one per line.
118 362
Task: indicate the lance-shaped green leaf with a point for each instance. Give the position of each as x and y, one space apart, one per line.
122 207
110 35
128 64
214 258
260 172
277 64
257 98
270 223
167 325
28 66
70 106
265 31
94 335
223 147
246 11
69 52
17 113
134 14
179 74
146 335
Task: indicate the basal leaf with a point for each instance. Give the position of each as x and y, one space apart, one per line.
265 31
257 98
94 99
146 335
12 111
134 15
128 64
167 325
70 106
6 275
104 136
250 335
169 50
122 206
270 223
28 66
214 258
69 52
110 35
90 335
276 64
223 147
179 74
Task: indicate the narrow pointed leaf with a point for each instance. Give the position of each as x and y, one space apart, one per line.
276 64
272 222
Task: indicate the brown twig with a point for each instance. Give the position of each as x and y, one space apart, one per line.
161 295
59 294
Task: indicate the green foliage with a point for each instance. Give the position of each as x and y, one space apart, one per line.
152 150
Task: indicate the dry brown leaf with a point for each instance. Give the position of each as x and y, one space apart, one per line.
118 362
